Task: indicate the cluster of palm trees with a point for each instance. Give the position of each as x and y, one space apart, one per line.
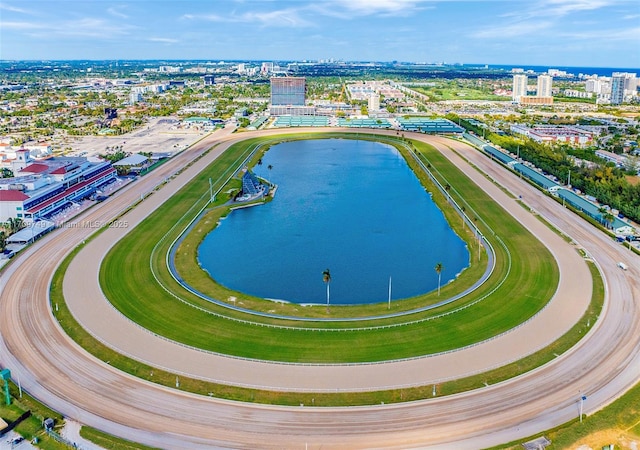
269 167
326 277
12 225
606 218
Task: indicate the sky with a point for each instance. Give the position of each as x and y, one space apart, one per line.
567 33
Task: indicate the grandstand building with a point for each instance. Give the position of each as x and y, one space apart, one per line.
40 188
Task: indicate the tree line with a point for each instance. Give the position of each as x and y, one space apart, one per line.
602 180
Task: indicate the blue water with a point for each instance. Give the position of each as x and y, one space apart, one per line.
600 71
353 207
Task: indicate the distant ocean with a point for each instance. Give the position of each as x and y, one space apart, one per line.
600 71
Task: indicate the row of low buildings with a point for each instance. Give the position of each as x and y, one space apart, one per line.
8 152
39 188
560 134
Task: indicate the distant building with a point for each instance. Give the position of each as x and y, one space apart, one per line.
110 113
266 68
594 85
535 100
577 94
135 96
617 89
134 163
374 102
288 91
519 87
618 160
549 134
623 85
544 86
241 112
209 80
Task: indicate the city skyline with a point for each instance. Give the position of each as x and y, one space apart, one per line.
582 33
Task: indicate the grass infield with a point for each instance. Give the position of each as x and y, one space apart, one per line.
518 288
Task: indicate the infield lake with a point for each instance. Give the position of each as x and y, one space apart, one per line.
351 206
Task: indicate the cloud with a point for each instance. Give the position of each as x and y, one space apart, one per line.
350 9
6 7
512 30
22 25
630 34
370 7
91 27
116 13
541 15
164 40
85 27
289 17
558 9
564 7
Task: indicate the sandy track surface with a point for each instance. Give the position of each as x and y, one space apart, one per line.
64 376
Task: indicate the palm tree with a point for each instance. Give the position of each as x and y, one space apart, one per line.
438 269
602 211
3 241
15 224
608 219
270 167
326 277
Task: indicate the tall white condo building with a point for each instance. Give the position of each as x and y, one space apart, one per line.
519 87
544 85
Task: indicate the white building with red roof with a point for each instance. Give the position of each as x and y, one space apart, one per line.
42 187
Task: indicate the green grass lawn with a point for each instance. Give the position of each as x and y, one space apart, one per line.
31 427
521 287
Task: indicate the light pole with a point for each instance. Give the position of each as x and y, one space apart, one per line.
582 399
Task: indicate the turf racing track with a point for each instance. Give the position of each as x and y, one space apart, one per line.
58 372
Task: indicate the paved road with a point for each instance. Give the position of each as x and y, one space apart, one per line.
64 376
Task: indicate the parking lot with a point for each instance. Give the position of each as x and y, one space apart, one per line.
10 441
159 135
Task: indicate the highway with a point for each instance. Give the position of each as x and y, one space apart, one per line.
62 375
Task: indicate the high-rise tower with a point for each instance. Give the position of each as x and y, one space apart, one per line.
288 91
544 86
519 87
